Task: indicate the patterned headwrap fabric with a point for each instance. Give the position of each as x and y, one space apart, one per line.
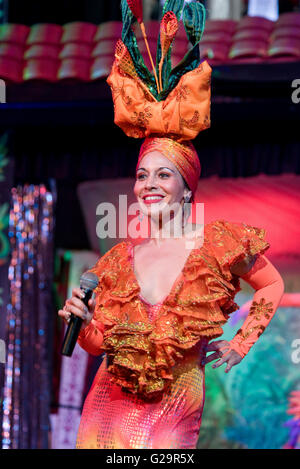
182 155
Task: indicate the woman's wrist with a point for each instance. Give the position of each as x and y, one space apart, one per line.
234 345
86 327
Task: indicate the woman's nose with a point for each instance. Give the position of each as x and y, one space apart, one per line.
151 182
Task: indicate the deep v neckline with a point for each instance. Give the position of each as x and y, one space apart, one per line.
175 283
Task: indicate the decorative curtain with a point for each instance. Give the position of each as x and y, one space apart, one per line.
6 175
27 377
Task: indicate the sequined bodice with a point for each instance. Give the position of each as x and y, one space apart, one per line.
151 309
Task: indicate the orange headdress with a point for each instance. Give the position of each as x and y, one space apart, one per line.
170 107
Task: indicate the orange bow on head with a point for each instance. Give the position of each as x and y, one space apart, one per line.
181 116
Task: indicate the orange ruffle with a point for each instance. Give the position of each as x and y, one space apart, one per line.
141 353
182 115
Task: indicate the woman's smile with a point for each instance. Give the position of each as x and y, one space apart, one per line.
152 198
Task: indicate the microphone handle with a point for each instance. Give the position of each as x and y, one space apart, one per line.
74 327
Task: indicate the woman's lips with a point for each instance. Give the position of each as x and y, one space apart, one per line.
153 199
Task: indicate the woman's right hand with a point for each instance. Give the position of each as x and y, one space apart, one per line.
75 306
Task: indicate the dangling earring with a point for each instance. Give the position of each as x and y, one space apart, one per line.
185 201
141 218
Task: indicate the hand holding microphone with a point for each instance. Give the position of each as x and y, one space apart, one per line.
78 311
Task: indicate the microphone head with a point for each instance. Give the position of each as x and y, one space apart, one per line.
89 281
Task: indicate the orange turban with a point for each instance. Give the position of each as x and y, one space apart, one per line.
182 155
181 116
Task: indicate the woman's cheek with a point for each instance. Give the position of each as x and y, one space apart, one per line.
137 189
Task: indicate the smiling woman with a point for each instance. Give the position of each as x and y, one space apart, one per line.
160 303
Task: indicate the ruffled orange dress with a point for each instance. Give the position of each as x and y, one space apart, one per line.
149 390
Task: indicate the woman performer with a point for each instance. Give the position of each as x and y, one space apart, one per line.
160 303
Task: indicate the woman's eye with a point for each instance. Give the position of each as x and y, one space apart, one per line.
164 175
140 176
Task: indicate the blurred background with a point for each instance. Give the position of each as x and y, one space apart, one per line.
61 155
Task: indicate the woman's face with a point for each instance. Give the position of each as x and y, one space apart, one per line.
158 184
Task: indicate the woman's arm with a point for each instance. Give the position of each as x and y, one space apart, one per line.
91 338
269 288
91 334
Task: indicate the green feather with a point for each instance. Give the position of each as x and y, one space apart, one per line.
130 42
177 7
174 5
194 17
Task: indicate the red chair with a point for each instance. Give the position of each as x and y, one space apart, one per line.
74 69
75 62
11 62
41 63
152 30
285 31
255 22
45 33
38 51
180 48
109 30
143 51
105 47
226 26
14 33
11 70
101 67
288 19
251 51
285 49
215 53
75 50
12 51
79 32
220 37
252 34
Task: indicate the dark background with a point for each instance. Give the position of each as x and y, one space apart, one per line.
95 11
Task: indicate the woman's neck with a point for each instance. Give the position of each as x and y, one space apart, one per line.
189 233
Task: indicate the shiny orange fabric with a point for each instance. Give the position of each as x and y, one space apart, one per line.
181 116
115 419
182 155
144 353
149 390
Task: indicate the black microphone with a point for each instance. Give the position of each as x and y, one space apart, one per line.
88 283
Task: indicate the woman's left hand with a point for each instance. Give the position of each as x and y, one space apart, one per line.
220 347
